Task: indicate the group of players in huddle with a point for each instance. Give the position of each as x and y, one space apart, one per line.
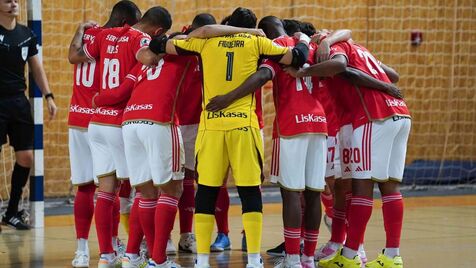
167 111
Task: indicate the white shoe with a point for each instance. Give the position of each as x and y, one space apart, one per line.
81 259
201 266
131 262
327 251
166 264
255 265
328 223
187 243
109 261
171 250
289 261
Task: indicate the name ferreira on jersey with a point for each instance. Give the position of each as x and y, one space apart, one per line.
138 107
306 118
82 110
221 114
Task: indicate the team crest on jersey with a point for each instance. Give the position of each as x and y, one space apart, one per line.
24 52
144 41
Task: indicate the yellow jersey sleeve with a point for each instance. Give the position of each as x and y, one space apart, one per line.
192 44
267 47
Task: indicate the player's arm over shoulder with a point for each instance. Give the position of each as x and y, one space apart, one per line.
295 57
76 51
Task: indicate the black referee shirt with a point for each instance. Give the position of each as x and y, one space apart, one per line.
16 46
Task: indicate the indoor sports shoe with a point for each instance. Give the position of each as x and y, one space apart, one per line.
383 261
171 250
187 243
362 255
328 223
289 261
201 266
339 261
327 251
129 261
307 262
278 251
222 243
15 222
166 264
109 261
81 259
255 265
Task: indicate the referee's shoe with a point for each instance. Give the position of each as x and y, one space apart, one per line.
16 221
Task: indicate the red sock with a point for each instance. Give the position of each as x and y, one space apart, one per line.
116 216
164 223
359 215
135 229
221 210
84 210
338 227
328 202
393 218
310 242
292 240
147 208
103 218
187 206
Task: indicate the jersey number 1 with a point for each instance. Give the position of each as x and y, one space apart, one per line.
229 65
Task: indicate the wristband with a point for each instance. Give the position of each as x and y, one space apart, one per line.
49 95
304 38
158 44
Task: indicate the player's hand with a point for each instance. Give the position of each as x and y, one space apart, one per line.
315 38
218 103
52 109
93 103
323 51
88 24
257 32
394 91
294 72
303 38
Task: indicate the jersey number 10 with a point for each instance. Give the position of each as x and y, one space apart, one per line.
85 73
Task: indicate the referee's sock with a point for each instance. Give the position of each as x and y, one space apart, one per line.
19 178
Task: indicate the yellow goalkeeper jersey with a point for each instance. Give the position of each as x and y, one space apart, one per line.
227 61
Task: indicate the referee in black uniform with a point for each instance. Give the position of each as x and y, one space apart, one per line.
18 45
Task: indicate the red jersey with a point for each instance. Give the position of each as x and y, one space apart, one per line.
116 49
85 86
373 104
321 91
297 112
189 105
155 93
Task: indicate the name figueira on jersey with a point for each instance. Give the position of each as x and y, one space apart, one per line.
223 114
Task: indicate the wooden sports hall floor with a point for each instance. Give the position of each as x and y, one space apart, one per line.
438 232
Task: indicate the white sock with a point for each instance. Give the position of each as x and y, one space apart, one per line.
349 253
305 258
391 252
254 258
362 251
83 245
203 259
334 245
108 256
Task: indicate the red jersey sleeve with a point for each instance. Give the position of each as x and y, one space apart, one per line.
93 48
140 41
122 93
271 65
340 48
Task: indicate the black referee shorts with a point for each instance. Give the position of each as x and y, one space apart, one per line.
16 122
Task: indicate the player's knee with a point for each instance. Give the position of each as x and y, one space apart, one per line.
24 158
205 199
250 198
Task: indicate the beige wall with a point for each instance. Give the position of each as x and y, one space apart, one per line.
438 77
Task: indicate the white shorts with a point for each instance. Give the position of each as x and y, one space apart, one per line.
299 162
345 148
379 149
189 135
154 152
107 148
333 158
80 158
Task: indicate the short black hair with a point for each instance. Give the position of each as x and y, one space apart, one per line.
291 26
243 17
126 11
270 26
158 16
307 28
225 20
202 20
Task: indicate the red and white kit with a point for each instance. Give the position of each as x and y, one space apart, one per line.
85 86
154 146
321 92
116 48
299 129
189 108
381 122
